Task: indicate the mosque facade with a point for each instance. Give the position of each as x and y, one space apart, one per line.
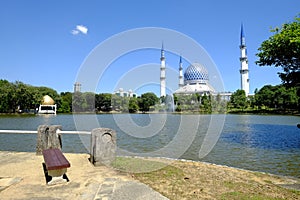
195 79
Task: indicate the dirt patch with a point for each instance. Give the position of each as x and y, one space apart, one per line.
196 180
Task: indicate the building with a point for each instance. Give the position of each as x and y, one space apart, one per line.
123 93
195 79
162 72
77 87
244 71
47 106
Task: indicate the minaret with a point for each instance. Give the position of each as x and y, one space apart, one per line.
180 73
244 64
162 72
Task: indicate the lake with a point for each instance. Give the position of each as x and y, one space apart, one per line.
268 143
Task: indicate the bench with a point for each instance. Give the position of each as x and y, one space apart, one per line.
55 166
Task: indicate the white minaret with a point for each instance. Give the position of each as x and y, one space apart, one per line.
180 74
244 71
162 72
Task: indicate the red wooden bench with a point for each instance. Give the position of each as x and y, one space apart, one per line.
56 166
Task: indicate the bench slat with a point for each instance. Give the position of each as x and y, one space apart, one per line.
54 159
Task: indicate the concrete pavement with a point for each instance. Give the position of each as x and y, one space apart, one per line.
22 177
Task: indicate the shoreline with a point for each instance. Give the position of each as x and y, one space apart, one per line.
233 112
170 160
208 163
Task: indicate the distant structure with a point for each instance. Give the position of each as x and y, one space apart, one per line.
244 71
181 83
47 106
162 72
196 80
77 87
123 93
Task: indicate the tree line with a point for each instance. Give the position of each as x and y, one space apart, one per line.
274 99
17 96
106 102
20 97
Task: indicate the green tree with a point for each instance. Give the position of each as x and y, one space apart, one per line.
103 102
39 92
178 108
66 102
7 97
98 101
238 99
283 49
133 106
116 102
24 96
205 105
264 97
147 100
89 101
285 98
78 102
291 98
277 97
218 104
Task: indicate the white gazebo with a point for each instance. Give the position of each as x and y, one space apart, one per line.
47 106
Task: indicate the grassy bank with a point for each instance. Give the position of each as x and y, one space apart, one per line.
271 111
195 180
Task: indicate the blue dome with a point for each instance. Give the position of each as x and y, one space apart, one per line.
195 73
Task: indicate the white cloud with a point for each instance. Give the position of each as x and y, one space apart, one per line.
79 29
75 32
82 29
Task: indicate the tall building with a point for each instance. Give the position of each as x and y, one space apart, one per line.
162 72
244 71
180 73
77 87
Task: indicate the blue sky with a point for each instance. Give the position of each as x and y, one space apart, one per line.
44 43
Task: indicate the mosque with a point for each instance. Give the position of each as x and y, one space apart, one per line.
195 79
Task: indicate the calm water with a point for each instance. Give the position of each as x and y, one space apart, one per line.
255 142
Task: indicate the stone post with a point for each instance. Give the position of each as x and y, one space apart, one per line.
42 139
54 140
103 146
47 138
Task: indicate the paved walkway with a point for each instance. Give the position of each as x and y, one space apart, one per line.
22 177
115 189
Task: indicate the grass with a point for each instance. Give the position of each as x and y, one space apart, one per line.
136 165
243 196
194 180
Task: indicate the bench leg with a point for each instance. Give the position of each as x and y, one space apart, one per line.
58 176
55 176
57 180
